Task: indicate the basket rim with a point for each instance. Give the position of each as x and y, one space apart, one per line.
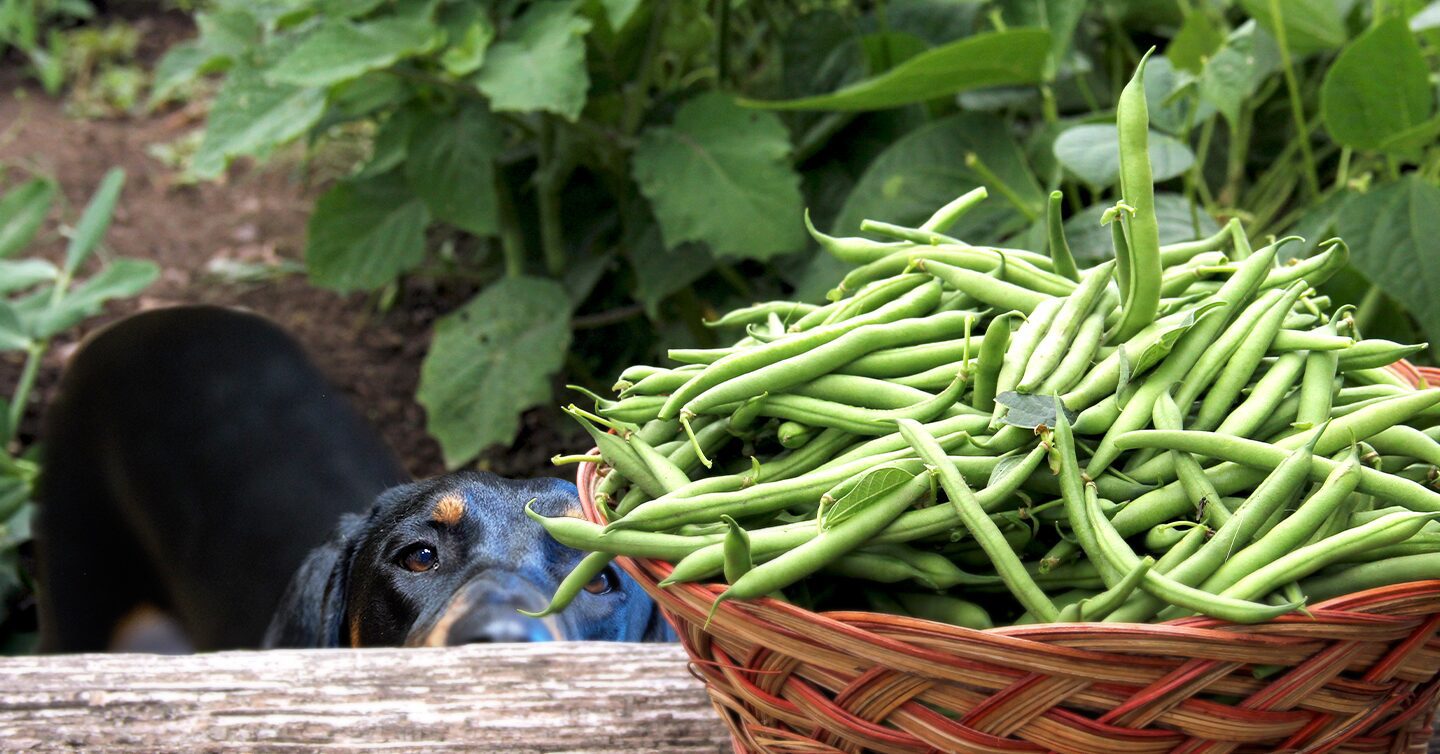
648 572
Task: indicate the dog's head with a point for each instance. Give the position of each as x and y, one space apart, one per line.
450 561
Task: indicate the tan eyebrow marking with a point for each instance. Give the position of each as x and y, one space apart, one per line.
448 510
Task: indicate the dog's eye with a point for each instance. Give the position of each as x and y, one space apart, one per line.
605 583
419 558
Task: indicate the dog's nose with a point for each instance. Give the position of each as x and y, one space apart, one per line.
497 629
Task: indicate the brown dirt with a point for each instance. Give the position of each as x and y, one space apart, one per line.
257 214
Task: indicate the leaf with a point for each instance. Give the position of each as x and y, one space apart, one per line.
251 118
1198 39
1364 108
539 63
721 176
1232 75
1172 97
450 165
392 139
1090 241
180 66
19 274
364 233
342 50
1391 232
619 12
1092 153
490 361
94 220
927 168
1031 411
1058 17
872 487
1310 25
122 278
1002 469
1169 337
467 54
13 337
22 212
660 272
1017 56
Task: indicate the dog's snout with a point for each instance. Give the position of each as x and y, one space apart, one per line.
486 609
486 629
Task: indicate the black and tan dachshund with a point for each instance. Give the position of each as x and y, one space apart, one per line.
196 461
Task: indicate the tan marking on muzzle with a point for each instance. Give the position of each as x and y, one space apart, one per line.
448 510
439 634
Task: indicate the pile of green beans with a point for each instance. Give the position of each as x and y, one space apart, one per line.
989 436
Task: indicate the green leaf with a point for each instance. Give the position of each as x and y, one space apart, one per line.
1017 56
14 336
1232 75
1169 337
1031 411
465 55
1378 88
1198 39
180 66
490 361
1090 241
1092 153
19 274
660 272
872 487
1172 98
539 62
342 50
1058 17
364 233
392 140
619 12
251 118
450 165
1310 25
94 220
22 212
1391 232
928 168
721 176
122 278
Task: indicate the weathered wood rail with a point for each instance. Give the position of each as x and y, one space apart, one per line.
581 697
512 698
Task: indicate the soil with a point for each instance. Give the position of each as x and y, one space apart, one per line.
256 215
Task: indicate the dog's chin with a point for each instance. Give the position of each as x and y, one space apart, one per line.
486 609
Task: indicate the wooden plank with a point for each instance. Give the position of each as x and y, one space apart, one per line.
561 697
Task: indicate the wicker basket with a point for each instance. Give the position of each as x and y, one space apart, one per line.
1358 676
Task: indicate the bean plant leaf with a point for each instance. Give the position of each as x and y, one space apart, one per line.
1030 411
122 278
466 54
1170 336
1172 97
1198 39
364 233
19 274
1391 232
619 12
1058 17
539 62
1362 109
342 50
251 118
931 165
1179 221
660 272
1016 56
1232 75
1310 25
1002 469
875 485
1092 152
94 220
721 175
490 361
22 212
450 165
13 335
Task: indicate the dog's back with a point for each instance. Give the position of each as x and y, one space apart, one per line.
192 459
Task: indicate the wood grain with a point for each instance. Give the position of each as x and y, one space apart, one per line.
562 697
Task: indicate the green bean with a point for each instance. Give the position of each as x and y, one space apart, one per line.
935 379
1103 381
701 356
1373 353
1197 486
587 570
903 360
757 313
969 511
947 215
1078 358
584 535
620 454
942 608
1138 190
1379 573
668 475
709 439
744 417
987 289
863 392
1059 248
1017 352
1022 268
1309 340
830 543
1297 564
637 409
1065 326
854 250
873 296
1317 387
1378 376
1315 270
1072 492
1242 364
967 425
1178 253
737 551
752 360
1269 391
860 421
1214 359
1406 441
793 434
638 372
1097 607
1161 537
895 563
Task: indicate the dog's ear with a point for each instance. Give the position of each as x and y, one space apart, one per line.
312 610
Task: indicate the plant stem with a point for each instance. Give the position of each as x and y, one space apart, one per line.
1342 173
989 178
22 388
722 38
608 317
1297 105
547 186
512 242
1237 152
638 93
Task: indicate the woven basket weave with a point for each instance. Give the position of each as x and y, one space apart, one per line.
1360 675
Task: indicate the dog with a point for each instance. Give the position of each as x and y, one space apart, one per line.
195 461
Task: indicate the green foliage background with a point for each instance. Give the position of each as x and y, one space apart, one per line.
615 171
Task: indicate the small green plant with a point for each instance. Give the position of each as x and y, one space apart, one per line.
40 300
31 27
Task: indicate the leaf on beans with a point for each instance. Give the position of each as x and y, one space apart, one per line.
873 486
1171 335
1004 467
1030 411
